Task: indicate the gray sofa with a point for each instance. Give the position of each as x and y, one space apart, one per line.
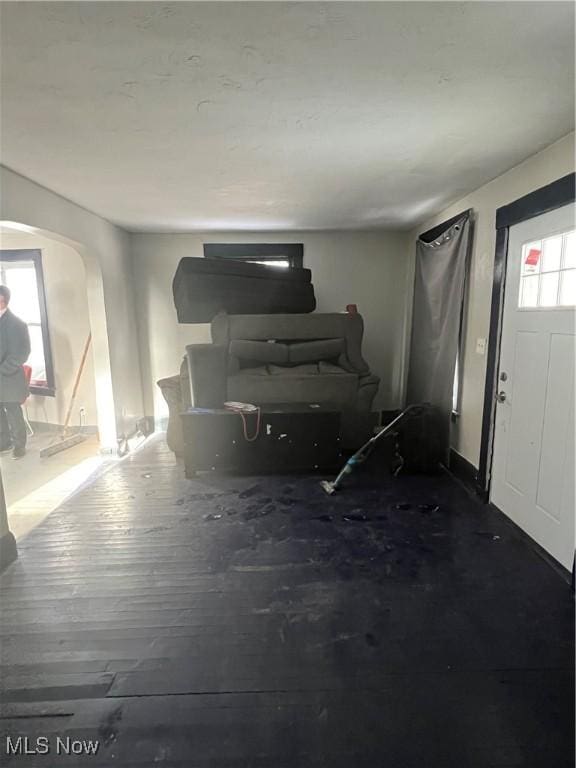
270 359
311 358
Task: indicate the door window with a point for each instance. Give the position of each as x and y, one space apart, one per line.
548 272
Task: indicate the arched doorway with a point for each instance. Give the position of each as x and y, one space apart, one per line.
74 323
97 321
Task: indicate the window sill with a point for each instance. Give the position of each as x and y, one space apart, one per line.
42 391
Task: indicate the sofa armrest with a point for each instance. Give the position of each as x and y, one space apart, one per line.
367 388
185 389
352 359
172 391
207 370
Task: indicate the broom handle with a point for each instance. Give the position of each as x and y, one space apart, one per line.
77 382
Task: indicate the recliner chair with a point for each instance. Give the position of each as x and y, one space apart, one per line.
262 359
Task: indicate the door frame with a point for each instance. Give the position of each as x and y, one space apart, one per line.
555 195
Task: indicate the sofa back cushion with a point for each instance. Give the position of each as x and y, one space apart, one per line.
246 353
306 369
314 351
294 328
249 351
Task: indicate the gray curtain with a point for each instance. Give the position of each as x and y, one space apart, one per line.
441 267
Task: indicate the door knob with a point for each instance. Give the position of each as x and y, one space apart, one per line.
501 396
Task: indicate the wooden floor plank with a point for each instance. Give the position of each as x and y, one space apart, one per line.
250 622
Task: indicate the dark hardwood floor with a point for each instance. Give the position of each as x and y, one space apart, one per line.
250 622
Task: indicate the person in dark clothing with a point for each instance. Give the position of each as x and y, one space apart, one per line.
14 351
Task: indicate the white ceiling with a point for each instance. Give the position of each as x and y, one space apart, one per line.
197 116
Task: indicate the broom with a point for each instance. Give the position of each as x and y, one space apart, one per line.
65 441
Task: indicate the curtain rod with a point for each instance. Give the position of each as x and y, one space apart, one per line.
436 231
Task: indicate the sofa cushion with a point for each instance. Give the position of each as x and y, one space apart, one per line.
293 388
259 351
249 351
330 369
309 369
312 351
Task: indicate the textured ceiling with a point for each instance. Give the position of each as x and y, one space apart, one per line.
184 116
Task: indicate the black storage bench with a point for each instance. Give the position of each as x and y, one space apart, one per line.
294 437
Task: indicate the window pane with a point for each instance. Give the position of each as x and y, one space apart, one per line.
531 254
568 288
36 360
271 262
549 289
529 291
22 283
570 250
551 253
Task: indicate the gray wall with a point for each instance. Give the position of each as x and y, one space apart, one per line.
364 268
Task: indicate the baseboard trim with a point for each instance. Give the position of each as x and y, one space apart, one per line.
463 470
8 550
564 573
47 426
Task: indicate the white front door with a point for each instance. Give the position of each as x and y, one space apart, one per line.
533 461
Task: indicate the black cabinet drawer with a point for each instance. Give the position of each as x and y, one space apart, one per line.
290 438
